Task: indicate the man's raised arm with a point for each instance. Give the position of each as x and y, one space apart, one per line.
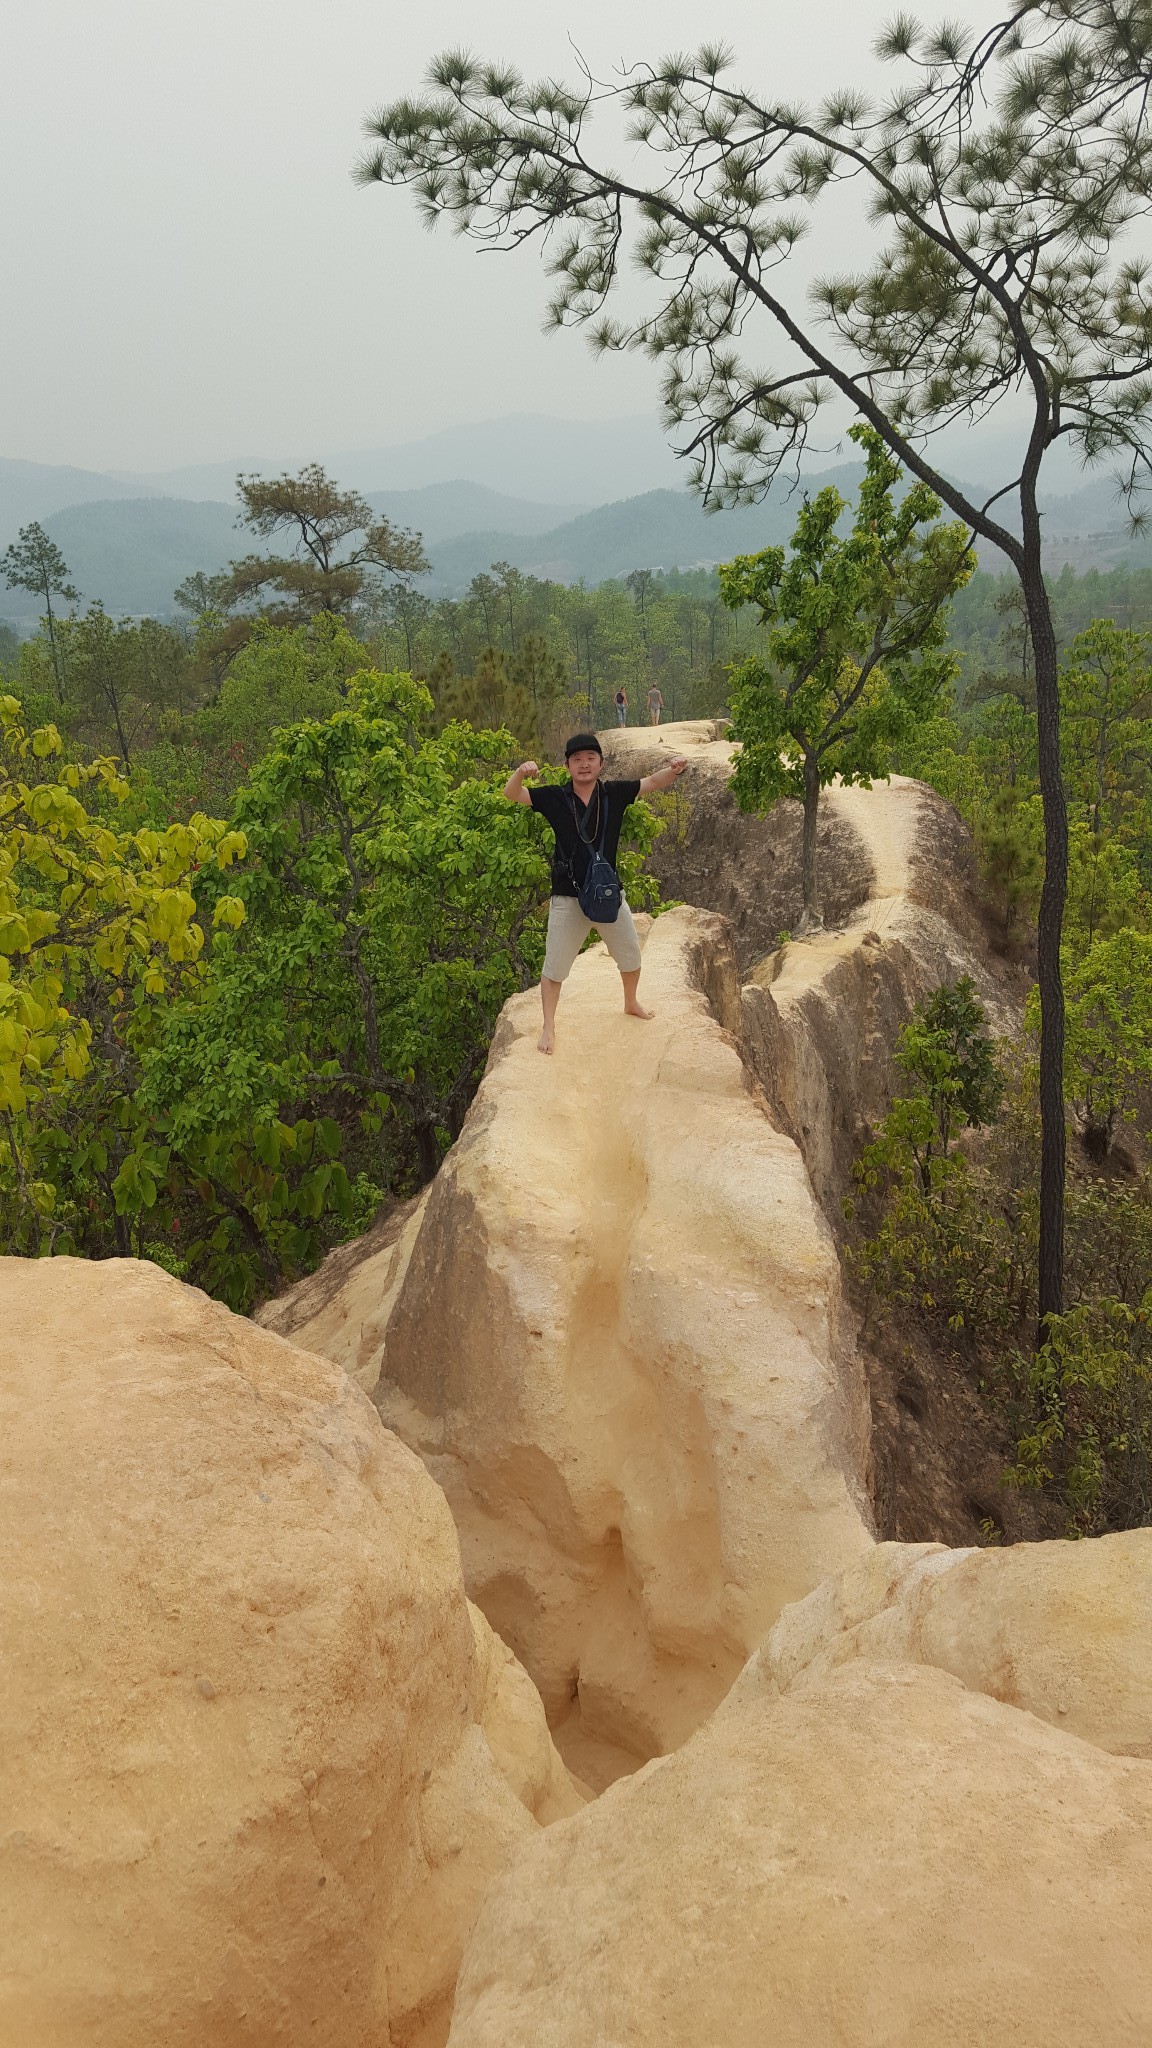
664 780
514 788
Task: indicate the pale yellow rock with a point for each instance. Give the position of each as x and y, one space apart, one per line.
880 1860
1062 1629
822 1013
618 1344
342 1309
702 742
245 1789
516 1731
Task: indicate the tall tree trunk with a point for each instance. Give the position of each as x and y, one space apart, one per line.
811 919
53 646
114 700
427 1148
1050 1287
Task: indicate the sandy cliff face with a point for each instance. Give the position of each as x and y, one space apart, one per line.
247 1789
1063 1630
922 1814
618 1346
268 1773
878 1855
712 854
901 915
820 1020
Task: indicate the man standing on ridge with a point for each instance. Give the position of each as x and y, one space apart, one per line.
585 797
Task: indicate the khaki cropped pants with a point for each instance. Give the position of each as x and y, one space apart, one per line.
568 928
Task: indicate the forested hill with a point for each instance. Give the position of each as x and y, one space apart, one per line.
132 552
660 529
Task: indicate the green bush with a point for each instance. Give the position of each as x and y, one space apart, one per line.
1084 1404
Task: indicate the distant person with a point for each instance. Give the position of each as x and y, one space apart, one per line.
655 705
621 702
584 812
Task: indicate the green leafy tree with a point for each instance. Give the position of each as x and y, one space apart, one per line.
342 554
1004 179
1106 698
1086 1430
938 1246
492 698
1013 676
35 563
856 629
9 646
1008 827
394 902
409 611
281 675
536 669
1109 1048
83 907
948 1049
639 582
127 679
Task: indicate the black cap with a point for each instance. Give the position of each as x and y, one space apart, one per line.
583 743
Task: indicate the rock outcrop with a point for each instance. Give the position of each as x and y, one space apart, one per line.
618 1346
820 1020
713 854
1063 1630
901 916
343 1308
879 1855
259 1766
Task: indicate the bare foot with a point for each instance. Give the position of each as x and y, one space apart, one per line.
545 1041
638 1010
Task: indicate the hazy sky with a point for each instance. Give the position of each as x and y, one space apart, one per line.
190 274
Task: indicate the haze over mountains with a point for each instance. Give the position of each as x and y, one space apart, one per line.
558 498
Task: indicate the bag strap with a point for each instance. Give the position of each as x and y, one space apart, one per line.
601 832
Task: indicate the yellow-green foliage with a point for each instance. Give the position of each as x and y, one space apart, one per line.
78 897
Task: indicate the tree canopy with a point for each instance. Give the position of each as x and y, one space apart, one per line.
857 625
342 557
999 182
34 563
230 1071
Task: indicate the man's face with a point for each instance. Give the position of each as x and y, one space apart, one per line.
584 766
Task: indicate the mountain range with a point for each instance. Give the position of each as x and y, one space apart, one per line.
130 538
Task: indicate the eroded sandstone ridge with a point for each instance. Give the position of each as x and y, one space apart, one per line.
922 1815
268 1773
1063 1630
821 1015
819 1026
259 1762
879 1854
618 1344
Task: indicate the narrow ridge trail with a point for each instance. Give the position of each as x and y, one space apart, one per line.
614 1330
619 1346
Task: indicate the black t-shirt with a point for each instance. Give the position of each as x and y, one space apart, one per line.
559 803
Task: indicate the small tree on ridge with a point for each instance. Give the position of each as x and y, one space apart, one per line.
856 629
